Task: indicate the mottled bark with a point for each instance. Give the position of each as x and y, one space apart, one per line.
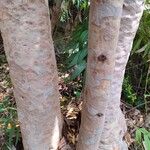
115 126
28 44
104 24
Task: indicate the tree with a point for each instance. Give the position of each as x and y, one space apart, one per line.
114 128
25 28
104 24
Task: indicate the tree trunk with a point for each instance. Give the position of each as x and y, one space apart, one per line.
115 126
104 24
28 44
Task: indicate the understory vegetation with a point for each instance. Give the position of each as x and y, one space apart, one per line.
70 40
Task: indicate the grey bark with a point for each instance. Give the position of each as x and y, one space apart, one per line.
115 125
104 24
28 44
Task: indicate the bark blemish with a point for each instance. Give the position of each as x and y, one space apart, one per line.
32 9
102 58
99 114
29 22
22 97
86 91
16 54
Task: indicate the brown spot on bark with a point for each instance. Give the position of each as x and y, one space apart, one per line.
23 7
29 22
99 114
32 9
9 2
102 142
22 97
86 91
102 58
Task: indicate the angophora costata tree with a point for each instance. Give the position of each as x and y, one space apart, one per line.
115 126
26 32
103 124
25 27
104 25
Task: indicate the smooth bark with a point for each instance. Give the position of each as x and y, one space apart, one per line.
104 24
28 44
115 126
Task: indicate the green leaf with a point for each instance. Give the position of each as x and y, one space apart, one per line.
146 142
75 59
2 110
79 68
17 136
141 49
70 58
147 50
82 55
84 36
77 93
144 131
137 45
138 136
11 133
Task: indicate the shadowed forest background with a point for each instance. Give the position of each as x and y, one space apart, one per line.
70 34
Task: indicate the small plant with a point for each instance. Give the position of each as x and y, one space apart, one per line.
128 92
142 137
9 123
77 50
74 10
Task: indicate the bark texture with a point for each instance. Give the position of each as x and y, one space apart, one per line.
115 126
104 24
26 33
